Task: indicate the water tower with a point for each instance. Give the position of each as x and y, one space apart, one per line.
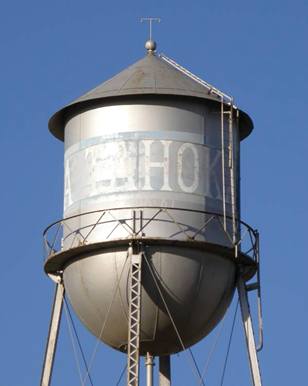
151 246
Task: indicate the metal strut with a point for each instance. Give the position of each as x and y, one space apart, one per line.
52 334
134 318
250 340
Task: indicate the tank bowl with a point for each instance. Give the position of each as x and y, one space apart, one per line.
196 286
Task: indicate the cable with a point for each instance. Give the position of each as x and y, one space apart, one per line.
78 341
229 345
121 375
201 382
73 344
104 323
195 367
214 345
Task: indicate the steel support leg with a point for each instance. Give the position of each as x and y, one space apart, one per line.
250 340
52 335
149 362
134 319
164 371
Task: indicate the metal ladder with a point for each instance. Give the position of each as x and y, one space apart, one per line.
228 176
228 173
211 88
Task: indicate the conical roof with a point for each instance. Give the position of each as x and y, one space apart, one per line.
151 75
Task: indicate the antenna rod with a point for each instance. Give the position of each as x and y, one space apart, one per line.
150 20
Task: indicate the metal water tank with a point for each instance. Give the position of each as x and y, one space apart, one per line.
151 163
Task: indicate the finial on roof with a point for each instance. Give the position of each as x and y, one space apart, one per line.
150 45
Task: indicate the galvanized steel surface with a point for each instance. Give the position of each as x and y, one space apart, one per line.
144 154
151 153
197 287
79 244
158 146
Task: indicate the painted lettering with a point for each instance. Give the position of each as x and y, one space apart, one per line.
164 164
190 169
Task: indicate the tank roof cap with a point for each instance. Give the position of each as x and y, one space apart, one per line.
150 45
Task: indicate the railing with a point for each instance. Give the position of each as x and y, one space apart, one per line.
137 223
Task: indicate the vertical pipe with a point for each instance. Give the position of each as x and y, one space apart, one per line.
134 222
238 178
149 362
232 175
223 163
259 300
164 371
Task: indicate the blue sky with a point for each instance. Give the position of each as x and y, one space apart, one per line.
52 52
